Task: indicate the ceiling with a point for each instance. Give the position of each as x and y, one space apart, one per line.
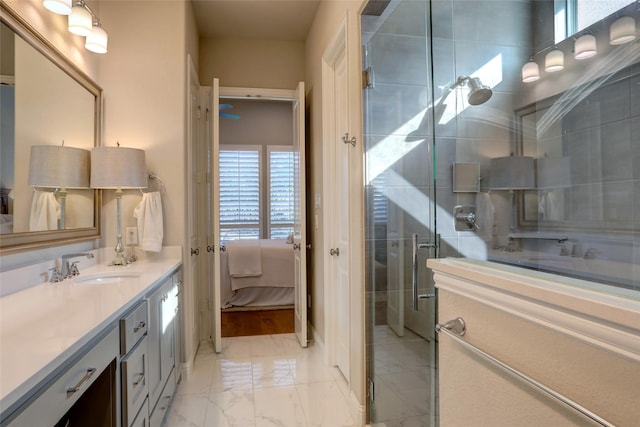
263 19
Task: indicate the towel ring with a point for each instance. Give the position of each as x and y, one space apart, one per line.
153 178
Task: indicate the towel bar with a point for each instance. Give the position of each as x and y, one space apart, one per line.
446 328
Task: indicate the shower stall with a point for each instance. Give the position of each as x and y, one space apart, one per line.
463 159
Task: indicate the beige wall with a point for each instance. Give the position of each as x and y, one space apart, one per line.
266 64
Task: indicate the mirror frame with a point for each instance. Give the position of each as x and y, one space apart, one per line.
23 241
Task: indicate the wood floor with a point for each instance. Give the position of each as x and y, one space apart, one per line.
260 322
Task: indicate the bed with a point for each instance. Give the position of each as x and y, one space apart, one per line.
257 273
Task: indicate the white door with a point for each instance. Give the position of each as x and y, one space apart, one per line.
299 223
214 236
193 200
340 221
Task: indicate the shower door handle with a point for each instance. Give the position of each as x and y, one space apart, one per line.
414 270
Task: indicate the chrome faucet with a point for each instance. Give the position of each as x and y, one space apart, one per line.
70 270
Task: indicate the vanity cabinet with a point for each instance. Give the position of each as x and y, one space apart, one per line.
134 363
163 309
82 393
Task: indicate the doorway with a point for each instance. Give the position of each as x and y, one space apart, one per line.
256 224
401 230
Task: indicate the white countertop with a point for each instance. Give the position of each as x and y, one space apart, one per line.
42 326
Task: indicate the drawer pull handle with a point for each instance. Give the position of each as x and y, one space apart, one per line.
168 399
72 390
139 326
140 379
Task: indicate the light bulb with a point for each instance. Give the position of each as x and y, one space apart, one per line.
585 47
530 72
97 41
554 61
61 7
623 30
80 21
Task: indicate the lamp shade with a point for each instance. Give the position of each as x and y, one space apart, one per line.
61 7
512 173
80 21
118 168
554 61
585 47
97 41
530 72
54 166
622 30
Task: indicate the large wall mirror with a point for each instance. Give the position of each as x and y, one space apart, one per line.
585 144
50 117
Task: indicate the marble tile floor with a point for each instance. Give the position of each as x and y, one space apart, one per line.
256 381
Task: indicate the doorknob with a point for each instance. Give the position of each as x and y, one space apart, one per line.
195 251
335 252
210 248
296 246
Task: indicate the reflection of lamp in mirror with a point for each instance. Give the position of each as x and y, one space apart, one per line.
59 167
512 173
118 168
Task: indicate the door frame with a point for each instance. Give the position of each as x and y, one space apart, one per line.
289 95
341 42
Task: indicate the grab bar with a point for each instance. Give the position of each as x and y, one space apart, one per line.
452 329
414 270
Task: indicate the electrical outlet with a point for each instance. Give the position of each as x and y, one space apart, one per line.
132 236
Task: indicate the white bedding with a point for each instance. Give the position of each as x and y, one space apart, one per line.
275 281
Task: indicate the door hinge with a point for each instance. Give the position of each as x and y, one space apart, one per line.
368 81
371 390
198 112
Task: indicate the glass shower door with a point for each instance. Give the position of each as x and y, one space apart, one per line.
401 233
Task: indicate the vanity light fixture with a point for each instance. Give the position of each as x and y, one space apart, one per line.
80 19
585 47
530 71
622 30
554 61
118 168
61 7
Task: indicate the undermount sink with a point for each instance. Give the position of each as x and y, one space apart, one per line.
107 277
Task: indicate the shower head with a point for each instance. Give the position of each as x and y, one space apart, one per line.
478 93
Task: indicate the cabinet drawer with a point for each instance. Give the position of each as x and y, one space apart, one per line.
133 327
134 381
142 419
158 414
60 395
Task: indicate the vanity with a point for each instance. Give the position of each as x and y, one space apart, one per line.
100 349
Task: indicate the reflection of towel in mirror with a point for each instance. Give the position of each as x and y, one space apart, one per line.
485 212
45 211
150 223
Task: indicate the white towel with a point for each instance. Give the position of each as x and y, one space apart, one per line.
150 223
45 211
245 258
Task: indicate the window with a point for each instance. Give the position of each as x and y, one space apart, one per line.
572 16
240 193
281 188
250 207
